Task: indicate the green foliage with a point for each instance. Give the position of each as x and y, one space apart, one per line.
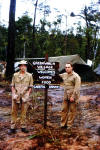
50 39
3 42
23 36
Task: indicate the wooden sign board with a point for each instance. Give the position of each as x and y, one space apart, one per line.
47 74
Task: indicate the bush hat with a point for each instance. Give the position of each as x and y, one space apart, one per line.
22 62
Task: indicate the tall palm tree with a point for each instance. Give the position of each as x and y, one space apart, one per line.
11 41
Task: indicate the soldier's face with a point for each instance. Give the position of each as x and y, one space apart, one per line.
68 68
23 68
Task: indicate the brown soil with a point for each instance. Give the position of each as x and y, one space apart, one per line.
84 135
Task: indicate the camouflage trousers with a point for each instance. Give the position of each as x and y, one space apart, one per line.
68 113
14 115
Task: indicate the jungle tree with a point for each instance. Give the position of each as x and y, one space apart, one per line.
89 14
11 40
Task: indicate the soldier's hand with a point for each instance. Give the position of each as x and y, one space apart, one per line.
71 99
29 91
13 89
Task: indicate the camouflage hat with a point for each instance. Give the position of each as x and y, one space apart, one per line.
22 62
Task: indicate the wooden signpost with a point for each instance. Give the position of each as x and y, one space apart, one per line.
46 78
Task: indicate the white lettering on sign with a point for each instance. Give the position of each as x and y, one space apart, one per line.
45 77
46 82
54 86
39 86
43 86
44 67
43 63
46 72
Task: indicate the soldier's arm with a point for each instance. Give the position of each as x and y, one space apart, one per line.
13 84
31 84
30 90
76 91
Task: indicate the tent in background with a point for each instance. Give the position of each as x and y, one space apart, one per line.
74 59
97 70
80 66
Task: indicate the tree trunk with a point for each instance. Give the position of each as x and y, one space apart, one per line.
11 41
34 53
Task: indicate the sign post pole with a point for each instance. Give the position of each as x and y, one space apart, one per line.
45 99
45 105
46 78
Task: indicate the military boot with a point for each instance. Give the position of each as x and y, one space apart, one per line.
24 130
12 131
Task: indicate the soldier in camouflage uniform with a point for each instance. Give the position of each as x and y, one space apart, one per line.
72 84
22 83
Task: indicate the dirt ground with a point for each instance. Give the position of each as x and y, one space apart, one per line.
84 135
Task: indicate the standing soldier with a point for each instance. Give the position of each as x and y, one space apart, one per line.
72 84
22 83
